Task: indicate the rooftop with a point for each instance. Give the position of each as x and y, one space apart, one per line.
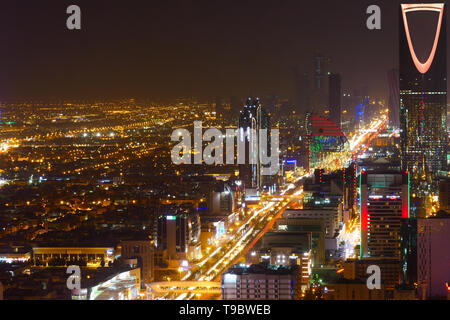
261 269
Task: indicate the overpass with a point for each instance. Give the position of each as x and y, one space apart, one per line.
281 198
201 287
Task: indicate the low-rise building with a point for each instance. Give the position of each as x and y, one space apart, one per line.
122 285
261 282
92 255
14 254
356 269
285 249
352 289
316 227
144 252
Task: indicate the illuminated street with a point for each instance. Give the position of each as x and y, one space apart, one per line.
260 219
239 152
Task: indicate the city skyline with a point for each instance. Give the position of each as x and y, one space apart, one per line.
203 49
246 151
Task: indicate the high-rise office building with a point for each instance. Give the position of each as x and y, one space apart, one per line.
319 71
177 232
394 98
408 251
357 108
423 106
444 194
433 256
319 89
335 95
219 107
270 103
384 203
143 251
253 118
302 92
350 191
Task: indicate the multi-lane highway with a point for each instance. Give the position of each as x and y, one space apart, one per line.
260 219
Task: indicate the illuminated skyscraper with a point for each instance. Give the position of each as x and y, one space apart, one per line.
394 98
252 119
384 203
319 72
423 106
319 89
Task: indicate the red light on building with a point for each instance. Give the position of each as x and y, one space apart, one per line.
364 218
437 7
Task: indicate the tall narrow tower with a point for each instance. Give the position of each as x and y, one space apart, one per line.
252 119
320 87
423 105
394 99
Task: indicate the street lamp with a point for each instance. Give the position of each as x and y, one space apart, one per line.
180 270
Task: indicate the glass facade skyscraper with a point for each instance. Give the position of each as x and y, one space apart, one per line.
252 119
423 106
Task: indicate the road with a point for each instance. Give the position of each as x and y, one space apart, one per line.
260 219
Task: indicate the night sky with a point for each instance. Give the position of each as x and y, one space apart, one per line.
164 49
